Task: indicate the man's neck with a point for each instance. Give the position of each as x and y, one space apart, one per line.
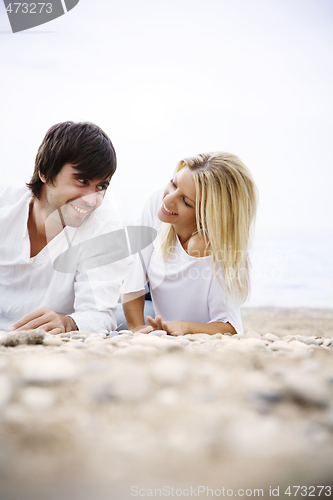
37 227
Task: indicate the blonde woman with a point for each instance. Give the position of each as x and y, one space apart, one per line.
198 267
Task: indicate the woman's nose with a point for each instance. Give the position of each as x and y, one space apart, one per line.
171 197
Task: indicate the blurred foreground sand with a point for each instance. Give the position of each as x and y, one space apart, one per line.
86 417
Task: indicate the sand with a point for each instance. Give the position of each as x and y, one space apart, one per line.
89 416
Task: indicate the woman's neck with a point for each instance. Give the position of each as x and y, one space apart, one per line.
184 235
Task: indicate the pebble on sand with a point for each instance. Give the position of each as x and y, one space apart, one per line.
48 369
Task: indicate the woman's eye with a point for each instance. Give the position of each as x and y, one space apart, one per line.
173 183
186 203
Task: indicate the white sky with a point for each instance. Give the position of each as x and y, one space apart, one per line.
169 79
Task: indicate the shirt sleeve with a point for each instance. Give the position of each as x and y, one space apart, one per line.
96 294
137 278
222 307
103 266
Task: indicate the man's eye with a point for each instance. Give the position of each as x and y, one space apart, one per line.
82 181
102 187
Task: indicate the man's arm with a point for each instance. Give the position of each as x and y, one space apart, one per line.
45 319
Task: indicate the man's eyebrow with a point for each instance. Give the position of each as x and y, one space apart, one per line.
84 177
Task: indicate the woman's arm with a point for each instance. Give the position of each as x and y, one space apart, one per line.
133 306
184 327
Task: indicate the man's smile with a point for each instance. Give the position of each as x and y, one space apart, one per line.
80 210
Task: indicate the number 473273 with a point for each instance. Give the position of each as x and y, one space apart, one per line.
31 8
309 491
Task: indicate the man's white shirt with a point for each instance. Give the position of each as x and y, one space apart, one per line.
88 294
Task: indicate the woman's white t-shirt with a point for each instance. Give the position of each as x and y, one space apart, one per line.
182 287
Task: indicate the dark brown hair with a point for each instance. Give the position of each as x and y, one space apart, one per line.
84 145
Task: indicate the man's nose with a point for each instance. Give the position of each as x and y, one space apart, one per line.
90 199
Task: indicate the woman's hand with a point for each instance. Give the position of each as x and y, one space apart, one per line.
142 329
171 327
184 327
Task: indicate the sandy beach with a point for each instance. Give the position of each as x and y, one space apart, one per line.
90 416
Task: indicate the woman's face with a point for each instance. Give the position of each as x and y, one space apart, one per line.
178 204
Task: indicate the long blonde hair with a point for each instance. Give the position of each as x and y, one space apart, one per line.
226 204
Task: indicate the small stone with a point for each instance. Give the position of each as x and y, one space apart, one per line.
48 370
101 393
51 340
113 334
296 344
167 396
5 391
169 370
253 343
126 332
158 333
179 340
97 336
13 339
217 336
330 417
271 337
92 340
79 336
96 366
38 398
280 345
269 396
78 344
151 340
307 388
130 381
3 362
200 336
311 341
252 335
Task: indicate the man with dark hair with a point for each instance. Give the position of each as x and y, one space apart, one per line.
60 209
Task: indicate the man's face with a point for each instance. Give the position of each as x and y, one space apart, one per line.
75 196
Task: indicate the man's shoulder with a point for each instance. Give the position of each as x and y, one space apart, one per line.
11 193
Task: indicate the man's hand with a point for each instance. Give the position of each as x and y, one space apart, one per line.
47 320
171 327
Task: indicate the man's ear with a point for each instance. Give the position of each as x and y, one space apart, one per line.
42 177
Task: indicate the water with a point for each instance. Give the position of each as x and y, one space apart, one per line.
292 268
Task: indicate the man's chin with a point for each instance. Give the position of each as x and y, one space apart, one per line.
72 219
